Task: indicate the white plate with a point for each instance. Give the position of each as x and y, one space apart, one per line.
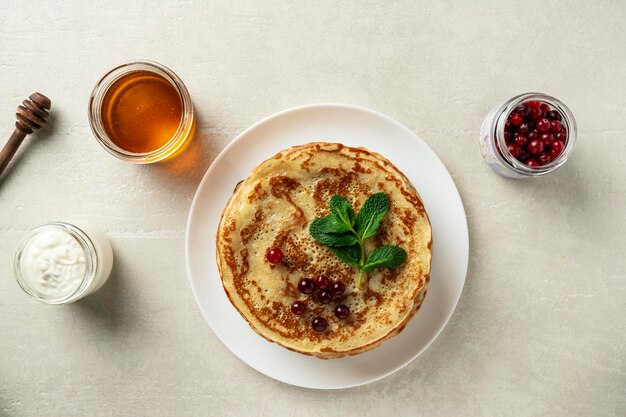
353 126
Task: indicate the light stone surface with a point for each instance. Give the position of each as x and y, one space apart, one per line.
540 328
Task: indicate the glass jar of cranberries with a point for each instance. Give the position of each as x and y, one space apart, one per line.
528 136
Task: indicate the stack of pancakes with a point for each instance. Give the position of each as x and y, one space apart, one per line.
274 207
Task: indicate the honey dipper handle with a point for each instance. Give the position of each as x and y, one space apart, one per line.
10 148
31 115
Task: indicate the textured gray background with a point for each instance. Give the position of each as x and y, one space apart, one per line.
539 330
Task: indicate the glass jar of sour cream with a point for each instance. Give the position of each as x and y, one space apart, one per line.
59 263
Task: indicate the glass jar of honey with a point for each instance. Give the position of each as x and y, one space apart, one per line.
141 112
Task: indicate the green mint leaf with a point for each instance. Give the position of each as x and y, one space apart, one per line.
337 226
385 257
336 240
349 254
371 214
328 224
342 209
327 230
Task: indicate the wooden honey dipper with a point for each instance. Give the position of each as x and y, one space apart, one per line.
30 117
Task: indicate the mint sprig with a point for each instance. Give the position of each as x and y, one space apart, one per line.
344 234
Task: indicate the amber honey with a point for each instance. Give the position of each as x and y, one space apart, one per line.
141 112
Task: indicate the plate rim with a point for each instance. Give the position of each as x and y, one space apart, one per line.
224 151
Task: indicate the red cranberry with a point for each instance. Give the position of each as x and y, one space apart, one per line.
321 282
534 114
516 119
561 136
555 115
319 324
325 297
524 128
545 108
298 307
543 125
342 312
555 126
533 135
521 140
274 255
533 104
522 110
507 125
558 145
523 156
533 163
535 147
547 138
544 159
557 149
515 150
306 286
338 288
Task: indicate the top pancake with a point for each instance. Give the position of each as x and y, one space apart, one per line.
274 207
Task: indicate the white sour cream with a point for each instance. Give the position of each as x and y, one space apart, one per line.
54 262
60 262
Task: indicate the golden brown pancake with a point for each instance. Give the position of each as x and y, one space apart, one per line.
274 207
